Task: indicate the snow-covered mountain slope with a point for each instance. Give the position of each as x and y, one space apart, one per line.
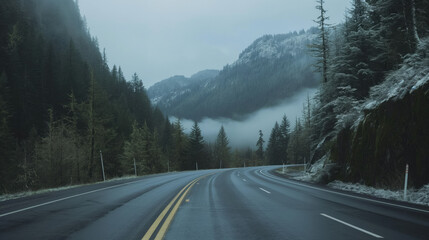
169 89
276 46
271 69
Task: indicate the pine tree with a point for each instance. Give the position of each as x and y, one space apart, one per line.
274 154
222 149
146 147
180 142
91 126
284 130
7 171
133 151
195 148
140 103
321 48
358 51
260 148
392 20
155 153
296 144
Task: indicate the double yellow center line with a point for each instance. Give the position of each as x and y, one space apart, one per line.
163 230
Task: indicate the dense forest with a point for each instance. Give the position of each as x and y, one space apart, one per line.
369 117
62 107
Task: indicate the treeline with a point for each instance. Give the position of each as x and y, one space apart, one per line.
174 150
286 145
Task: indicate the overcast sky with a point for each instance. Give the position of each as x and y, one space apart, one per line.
161 38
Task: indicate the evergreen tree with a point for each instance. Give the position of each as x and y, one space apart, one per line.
392 19
260 148
222 149
91 126
6 139
274 154
133 151
321 48
284 130
146 146
296 144
155 154
166 140
180 143
196 148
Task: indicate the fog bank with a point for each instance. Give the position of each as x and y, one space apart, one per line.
245 133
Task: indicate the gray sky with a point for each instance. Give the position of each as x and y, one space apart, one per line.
161 38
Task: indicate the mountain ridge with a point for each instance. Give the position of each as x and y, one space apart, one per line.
272 68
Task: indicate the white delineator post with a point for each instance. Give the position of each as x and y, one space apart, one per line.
406 182
305 166
283 168
102 165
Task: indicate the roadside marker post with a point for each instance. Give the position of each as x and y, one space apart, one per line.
135 168
406 182
283 171
102 166
305 166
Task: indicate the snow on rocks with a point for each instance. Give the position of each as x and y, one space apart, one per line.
317 171
413 74
420 196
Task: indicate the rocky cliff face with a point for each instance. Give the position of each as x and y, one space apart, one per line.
392 132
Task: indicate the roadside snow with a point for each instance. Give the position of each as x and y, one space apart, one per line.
316 172
420 196
5 197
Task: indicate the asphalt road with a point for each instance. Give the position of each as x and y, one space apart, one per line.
245 203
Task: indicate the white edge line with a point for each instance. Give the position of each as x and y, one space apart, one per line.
352 226
265 190
65 198
347 195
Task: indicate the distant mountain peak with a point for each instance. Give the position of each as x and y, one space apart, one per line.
276 46
170 88
271 69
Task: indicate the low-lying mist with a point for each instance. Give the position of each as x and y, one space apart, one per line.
245 133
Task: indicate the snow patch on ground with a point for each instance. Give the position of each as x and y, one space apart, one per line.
420 196
322 167
5 197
